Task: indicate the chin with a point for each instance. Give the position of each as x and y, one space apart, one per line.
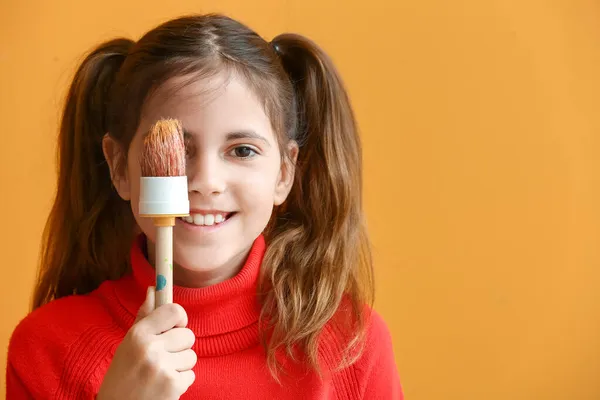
207 257
198 261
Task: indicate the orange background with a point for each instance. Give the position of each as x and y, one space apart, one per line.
481 133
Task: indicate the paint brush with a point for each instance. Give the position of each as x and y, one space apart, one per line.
164 196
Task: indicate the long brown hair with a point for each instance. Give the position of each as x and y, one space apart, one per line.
318 259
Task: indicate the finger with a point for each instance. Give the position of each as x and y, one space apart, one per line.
178 339
186 378
147 306
183 360
164 318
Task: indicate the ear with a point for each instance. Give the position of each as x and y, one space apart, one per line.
285 179
118 169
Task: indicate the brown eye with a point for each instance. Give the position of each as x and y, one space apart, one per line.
244 152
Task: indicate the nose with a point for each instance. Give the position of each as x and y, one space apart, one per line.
205 175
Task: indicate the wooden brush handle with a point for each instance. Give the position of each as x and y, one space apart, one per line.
164 261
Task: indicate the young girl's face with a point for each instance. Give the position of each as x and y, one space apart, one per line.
234 169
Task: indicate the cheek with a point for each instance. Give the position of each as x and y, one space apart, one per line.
133 176
255 196
258 186
147 226
135 195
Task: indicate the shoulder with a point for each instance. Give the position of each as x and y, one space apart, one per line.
378 337
377 347
339 329
374 369
51 338
45 333
60 317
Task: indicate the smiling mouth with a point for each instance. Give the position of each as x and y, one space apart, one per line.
207 219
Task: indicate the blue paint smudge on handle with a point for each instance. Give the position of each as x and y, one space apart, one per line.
161 282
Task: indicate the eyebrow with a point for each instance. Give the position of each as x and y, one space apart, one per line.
246 134
236 135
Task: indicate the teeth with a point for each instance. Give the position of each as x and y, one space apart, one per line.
204 220
198 219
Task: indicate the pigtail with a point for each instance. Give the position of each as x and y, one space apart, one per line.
318 261
89 230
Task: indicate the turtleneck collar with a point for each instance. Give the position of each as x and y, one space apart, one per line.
225 314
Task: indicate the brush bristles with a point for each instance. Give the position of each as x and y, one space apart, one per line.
164 150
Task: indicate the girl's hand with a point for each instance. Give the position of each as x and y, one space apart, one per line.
155 359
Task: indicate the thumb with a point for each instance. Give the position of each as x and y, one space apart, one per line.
148 306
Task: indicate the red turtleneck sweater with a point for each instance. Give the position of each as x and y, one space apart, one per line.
63 349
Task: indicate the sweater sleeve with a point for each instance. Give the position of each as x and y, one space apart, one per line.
58 351
376 370
15 389
33 366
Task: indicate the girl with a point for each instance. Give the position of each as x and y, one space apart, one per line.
273 272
